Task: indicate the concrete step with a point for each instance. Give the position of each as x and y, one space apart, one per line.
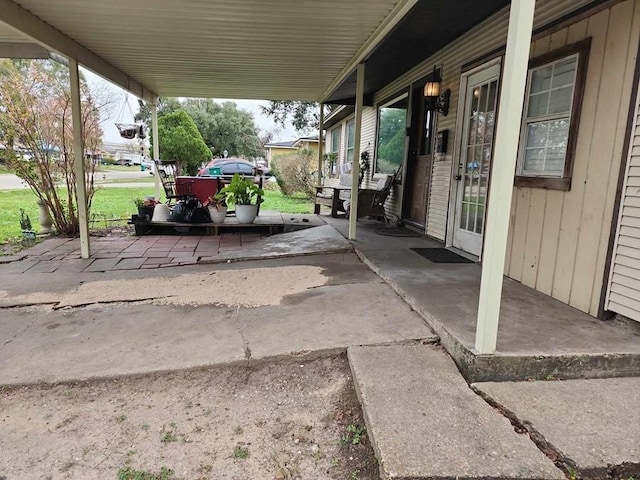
425 422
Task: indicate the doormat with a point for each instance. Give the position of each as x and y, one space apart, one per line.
441 255
396 232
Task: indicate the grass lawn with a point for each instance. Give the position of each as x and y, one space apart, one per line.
115 203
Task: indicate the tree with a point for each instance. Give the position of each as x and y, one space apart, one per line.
180 140
222 126
304 116
37 127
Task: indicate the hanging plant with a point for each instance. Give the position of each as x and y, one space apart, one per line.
364 165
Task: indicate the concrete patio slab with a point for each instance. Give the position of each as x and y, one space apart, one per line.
135 336
538 336
425 422
594 425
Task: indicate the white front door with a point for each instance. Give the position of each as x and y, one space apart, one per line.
480 100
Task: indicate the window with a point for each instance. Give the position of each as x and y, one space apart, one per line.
335 141
351 135
555 87
392 122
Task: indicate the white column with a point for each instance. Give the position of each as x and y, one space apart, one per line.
514 81
78 160
156 147
355 170
320 144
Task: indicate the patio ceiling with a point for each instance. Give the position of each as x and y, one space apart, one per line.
280 49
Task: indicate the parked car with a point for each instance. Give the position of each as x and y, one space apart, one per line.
231 166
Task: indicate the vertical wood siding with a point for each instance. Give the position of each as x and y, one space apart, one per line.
623 295
558 240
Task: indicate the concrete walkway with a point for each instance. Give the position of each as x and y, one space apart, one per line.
591 426
425 421
119 328
538 336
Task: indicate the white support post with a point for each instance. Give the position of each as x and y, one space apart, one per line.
355 170
514 81
320 144
78 159
156 148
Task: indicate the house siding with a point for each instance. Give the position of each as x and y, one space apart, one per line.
478 42
623 295
557 240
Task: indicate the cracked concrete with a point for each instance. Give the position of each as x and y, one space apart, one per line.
351 306
591 427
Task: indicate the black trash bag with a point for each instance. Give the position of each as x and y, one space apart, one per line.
178 212
200 215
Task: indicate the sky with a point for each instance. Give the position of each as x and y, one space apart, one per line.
263 122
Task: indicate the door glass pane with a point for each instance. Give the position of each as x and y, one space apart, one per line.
478 157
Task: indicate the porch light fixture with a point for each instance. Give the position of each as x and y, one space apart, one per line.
436 101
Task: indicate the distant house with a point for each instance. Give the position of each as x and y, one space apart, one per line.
283 148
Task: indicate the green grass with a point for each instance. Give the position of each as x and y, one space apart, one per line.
114 203
4 169
298 203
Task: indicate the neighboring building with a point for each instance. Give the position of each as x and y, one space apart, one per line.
575 216
282 148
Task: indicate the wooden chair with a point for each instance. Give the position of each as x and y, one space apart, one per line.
168 171
371 200
333 197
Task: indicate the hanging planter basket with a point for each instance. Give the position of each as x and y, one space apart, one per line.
127 130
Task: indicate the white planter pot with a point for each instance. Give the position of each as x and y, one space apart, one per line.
217 214
246 213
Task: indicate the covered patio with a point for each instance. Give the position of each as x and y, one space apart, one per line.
540 338
318 53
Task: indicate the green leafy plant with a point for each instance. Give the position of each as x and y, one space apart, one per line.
25 221
138 202
240 452
355 434
242 191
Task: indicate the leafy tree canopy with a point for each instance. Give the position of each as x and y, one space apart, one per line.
222 126
180 140
303 116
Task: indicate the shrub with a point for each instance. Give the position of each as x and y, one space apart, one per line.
295 172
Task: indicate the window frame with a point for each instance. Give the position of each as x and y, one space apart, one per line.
335 146
352 120
581 50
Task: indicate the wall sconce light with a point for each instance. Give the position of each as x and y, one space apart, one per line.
436 101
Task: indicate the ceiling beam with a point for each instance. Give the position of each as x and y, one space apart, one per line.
26 23
379 34
23 50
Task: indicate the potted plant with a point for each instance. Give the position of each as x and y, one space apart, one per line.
145 208
25 224
245 196
217 206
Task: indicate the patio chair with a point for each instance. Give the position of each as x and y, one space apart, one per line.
371 200
333 197
172 190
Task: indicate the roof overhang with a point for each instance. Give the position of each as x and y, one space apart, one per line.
427 27
278 50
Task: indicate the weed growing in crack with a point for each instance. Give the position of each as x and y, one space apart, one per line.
355 434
